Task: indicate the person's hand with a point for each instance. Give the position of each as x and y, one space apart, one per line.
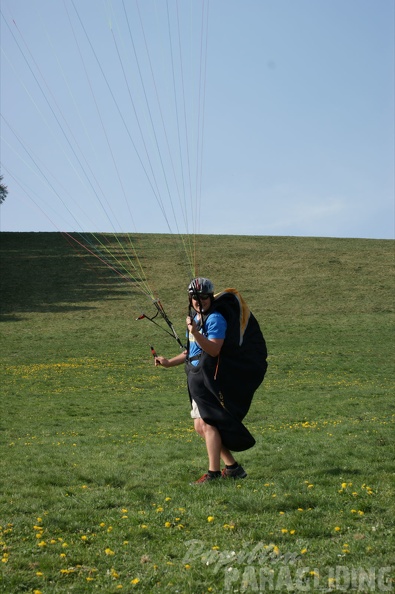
191 325
162 361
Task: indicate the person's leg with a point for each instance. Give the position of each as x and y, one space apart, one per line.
198 425
227 457
215 449
212 439
213 446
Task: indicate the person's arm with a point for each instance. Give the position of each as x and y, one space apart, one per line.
211 346
177 360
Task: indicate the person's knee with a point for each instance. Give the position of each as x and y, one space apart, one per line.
209 431
199 426
203 428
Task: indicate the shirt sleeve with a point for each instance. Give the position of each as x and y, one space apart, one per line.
216 326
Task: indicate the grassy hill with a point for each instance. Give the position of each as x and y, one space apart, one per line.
98 450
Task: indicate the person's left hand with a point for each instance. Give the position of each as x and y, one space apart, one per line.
191 325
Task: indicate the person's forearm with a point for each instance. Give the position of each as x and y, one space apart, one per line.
177 360
210 346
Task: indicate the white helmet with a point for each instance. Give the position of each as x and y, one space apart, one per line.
201 286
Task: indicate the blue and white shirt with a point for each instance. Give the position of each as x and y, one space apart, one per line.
214 327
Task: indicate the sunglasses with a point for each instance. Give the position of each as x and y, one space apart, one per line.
201 296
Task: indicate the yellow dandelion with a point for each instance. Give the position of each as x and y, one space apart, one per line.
124 510
210 519
168 499
135 581
337 528
284 530
303 551
90 579
187 566
167 524
84 537
109 552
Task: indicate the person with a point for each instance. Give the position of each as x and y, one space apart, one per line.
218 402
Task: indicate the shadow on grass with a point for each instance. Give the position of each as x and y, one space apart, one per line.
42 272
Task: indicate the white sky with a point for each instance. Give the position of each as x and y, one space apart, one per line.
285 126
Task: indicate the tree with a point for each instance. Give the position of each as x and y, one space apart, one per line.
3 190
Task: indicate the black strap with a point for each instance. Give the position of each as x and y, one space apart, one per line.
194 358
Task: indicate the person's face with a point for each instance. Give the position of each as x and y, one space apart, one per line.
202 299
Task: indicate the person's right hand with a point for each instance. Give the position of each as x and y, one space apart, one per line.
161 361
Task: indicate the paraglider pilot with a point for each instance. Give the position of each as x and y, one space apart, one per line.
225 362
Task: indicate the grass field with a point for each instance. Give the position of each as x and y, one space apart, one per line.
97 447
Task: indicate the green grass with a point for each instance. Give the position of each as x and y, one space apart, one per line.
97 447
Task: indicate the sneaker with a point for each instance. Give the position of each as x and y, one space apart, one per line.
205 478
234 473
